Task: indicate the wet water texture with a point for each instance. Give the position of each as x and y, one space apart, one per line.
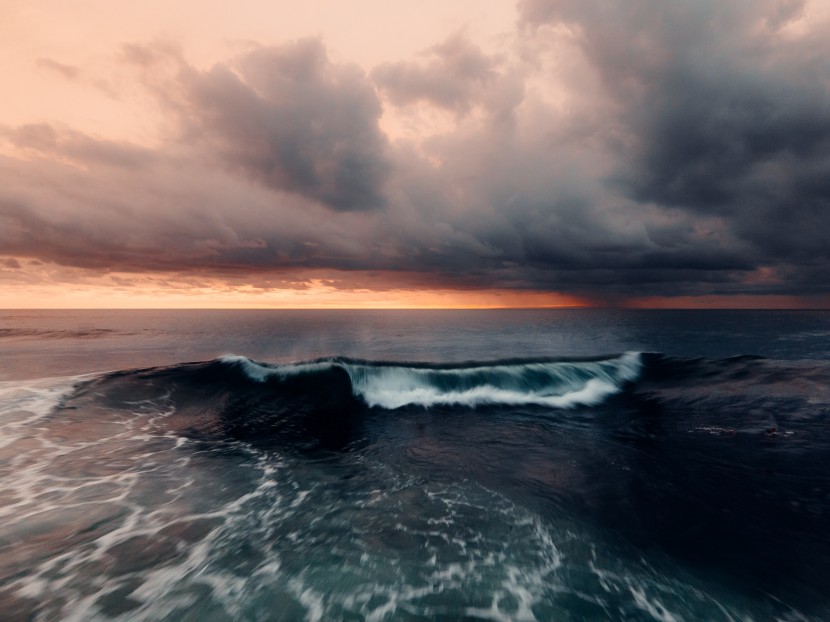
624 486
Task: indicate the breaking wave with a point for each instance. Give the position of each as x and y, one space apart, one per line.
554 384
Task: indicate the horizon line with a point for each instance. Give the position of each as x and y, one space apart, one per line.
423 308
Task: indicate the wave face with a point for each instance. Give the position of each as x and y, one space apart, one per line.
672 489
554 384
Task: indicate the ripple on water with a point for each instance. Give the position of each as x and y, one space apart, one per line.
130 519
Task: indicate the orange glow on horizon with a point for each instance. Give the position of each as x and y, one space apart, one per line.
25 284
734 301
322 297
148 291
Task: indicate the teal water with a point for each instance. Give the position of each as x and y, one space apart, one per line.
487 465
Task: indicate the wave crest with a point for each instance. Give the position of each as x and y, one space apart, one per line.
554 384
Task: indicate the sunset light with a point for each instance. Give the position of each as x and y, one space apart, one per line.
439 154
389 311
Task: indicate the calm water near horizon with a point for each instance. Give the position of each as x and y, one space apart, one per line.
414 465
80 341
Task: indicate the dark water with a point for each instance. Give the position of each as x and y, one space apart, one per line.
499 465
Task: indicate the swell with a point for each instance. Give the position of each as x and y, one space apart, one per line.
717 462
321 402
554 384
345 383
44 334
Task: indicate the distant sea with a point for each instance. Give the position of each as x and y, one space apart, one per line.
570 464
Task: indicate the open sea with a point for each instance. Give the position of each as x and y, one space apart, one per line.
415 465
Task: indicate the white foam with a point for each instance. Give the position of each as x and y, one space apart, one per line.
22 403
36 396
565 385
254 371
570 384
593 392
259 372
652 607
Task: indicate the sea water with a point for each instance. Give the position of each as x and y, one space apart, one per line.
414 465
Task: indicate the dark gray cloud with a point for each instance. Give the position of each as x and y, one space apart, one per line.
690 156
172 213
728 116
286 117
47 139
451 75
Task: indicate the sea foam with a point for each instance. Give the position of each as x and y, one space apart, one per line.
555 384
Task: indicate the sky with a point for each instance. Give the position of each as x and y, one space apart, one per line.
452 153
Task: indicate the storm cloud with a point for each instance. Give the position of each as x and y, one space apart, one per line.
289 118
452 76
727 114
606 150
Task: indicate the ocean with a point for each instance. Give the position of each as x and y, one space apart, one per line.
571 464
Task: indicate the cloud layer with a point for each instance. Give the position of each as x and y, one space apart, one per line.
606 150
